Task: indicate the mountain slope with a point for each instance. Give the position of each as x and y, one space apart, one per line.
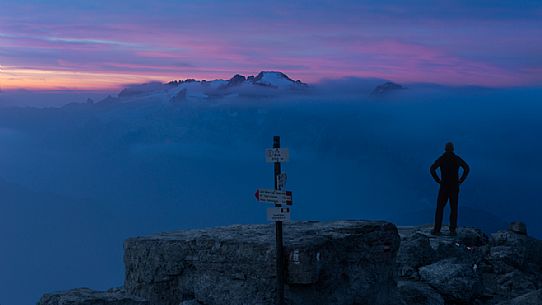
265 84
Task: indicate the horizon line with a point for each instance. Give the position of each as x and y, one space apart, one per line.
109 86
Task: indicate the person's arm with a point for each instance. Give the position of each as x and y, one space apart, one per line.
433 170
466 170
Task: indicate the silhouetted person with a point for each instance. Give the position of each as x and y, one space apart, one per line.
449 164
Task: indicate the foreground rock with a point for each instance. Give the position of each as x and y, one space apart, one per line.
455 280
345 262
327 263
532 298
416 293
470 268
85 296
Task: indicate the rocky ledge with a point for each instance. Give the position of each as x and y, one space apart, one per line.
327 263
85 296
470 268
345 262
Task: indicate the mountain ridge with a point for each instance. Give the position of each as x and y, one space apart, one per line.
265 83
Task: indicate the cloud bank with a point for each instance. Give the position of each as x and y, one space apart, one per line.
60 44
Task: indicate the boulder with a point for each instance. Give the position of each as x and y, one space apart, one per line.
531 298
415 251
419 247
472 237
517 250
416 293
455 280
344 262
518 227
504 255
191 302
85 296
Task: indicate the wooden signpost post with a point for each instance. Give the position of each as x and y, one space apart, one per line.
279 213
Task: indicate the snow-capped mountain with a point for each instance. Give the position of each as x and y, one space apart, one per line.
276 80
265 84
270 79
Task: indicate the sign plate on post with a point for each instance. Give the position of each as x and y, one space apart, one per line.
275 196
278 214
276 155
281 181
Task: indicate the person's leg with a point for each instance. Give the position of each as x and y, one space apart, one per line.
441 203
454 198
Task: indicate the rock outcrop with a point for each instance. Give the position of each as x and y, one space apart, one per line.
419 293
85 296
327 263
344 262
470 268
518 227
532 298
236 80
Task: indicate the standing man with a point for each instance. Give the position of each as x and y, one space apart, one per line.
449 164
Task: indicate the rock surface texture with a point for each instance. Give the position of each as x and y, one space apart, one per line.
344 262
85 296
327 263
470 268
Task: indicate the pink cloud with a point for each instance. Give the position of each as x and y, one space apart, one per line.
222 40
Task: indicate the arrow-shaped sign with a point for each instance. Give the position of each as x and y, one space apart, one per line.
275 196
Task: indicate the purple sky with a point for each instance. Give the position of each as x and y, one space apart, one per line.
61 44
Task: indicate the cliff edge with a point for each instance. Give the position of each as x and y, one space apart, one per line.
343 262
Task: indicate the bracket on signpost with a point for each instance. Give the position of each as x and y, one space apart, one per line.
279 213
281 181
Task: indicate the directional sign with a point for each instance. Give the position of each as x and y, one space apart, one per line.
276 155
275 196
281 181
278 214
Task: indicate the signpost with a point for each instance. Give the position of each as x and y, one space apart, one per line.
276 154
281 181
275 196
278 213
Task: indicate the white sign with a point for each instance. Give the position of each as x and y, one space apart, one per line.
278 214
276 155
275 196
281 181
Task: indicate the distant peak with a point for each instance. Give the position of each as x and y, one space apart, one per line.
263 74
386 88
236 80
275 79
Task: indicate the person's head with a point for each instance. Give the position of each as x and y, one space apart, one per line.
449 147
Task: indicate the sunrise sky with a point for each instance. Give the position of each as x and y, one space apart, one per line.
62 44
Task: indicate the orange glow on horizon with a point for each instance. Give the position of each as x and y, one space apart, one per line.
12 78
